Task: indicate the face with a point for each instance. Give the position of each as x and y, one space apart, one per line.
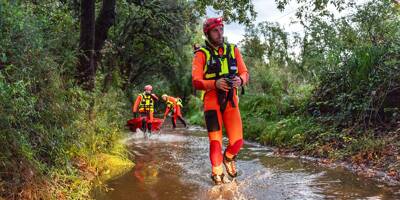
196 46
147 91
216 35
164 98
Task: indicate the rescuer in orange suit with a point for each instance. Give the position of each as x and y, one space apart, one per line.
174 105
218 69
144 104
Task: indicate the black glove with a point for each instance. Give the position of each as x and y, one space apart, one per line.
135 114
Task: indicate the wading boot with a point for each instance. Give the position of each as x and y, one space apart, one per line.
230 165
149 126
218 179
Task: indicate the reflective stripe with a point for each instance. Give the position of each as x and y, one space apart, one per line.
179 102
203 93
210 75
207 57
170 104
224 63
146 104
233 51
224 67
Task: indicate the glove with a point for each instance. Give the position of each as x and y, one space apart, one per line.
135 114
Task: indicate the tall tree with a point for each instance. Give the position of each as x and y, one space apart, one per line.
86 66
92 38
104 22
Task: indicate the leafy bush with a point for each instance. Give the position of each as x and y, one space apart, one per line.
47 123
195 114
363 85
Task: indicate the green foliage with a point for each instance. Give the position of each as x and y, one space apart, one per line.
289 131
153 44
274 121
316 8
367 143
195 113
47 122
346 76
361 80
241 11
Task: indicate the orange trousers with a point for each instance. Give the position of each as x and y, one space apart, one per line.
232 122
147 120
178 115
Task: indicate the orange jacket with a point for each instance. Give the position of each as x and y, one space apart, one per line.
170 100
199 61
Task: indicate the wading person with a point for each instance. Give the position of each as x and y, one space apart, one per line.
144 104
174 105
219 70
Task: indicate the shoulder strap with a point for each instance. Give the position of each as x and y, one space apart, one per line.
203 49
231 59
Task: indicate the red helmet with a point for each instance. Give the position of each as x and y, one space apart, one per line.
148 87
210 23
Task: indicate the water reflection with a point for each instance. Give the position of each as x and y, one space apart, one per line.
175 165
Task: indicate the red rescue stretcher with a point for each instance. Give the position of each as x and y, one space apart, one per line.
136 123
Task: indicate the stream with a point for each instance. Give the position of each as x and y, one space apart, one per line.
175 165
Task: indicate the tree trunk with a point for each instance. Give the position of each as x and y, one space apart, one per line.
86 67
104 22
93 35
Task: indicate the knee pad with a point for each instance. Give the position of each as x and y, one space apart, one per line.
235 148
212 122
215 153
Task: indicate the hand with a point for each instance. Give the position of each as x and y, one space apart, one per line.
236 82
135 114
222 84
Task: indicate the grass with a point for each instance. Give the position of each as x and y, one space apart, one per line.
63 147
195 114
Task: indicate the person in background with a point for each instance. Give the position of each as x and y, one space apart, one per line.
174 105
144 107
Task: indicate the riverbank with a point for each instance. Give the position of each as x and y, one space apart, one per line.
381 164
372 153
67 150
74 180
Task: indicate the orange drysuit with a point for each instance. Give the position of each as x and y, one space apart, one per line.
214 116
174 106
144 104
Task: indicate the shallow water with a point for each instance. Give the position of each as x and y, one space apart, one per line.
175 165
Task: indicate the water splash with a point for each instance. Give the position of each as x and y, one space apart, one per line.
175 165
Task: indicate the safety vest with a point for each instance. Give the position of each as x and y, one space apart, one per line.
219 66
179 102
171 104
146 104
